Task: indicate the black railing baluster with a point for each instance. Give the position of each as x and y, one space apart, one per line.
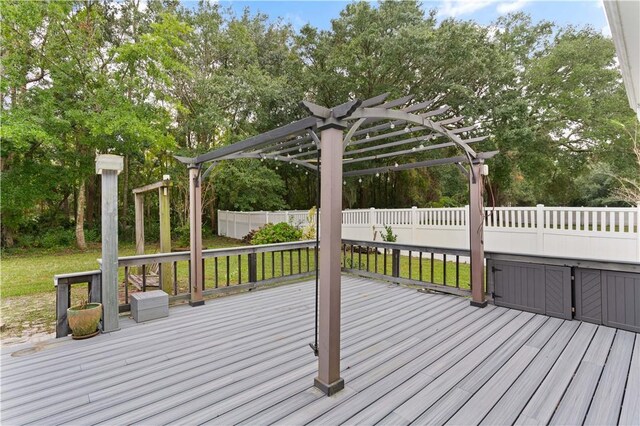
228 267
215 268
273 264
376 258
189 269
457 271
175 278
239 269
367 249
126 284
262 266
444 269
432 264
299 261
282 263
359 257
290 262
385 262
204 275
144 278
420 266
351 266
308 266
410 264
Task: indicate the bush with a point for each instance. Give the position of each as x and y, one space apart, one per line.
278 233
388 235
247 238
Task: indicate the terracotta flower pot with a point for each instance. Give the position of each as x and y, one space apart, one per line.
84 319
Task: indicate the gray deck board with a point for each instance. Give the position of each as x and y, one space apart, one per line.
605 407
630 413
406 357
577 398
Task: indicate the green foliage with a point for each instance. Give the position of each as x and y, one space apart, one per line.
388 235
247 185
278 233
80 78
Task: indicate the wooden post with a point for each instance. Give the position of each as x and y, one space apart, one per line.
329 380
139 218
476 242
109 166
195 234
165 236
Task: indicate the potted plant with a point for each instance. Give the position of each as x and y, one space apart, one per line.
83 319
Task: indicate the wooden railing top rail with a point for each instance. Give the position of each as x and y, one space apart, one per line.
75 277
608 265
184 255
407 247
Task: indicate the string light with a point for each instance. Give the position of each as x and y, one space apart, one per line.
276 167
406 129
344 182
360 180
421 146
377 174
413 149
392 126
367 137
396 165
300 149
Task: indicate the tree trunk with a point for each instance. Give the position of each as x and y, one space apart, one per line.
7 235
91 205
80 202
125 190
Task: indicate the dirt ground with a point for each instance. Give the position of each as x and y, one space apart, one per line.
29 318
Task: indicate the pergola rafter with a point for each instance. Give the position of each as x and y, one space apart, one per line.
328 135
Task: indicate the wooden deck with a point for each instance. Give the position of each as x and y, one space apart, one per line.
407 357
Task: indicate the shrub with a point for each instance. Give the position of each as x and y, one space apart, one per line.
309 231
278 233
388 235
247 238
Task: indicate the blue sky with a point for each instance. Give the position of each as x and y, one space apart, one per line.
320 13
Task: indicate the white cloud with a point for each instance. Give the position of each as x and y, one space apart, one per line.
510 7
455 8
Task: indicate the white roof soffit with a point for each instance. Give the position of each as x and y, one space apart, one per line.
624 21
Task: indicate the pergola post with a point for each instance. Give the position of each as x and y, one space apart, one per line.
476 238
165 234
195 235
109 166
329 380
139 218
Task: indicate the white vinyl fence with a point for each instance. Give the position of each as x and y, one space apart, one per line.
608 233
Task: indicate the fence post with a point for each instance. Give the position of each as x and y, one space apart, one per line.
266 217
372 221
235 225
414 223
253 267
219 222
540 228
249 221
286 216
466 225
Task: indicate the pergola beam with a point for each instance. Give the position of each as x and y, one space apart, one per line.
427 163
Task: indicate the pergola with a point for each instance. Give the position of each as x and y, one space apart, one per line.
354 132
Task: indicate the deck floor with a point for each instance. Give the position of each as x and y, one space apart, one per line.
407 357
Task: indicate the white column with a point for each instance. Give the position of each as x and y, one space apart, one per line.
109 166
540 229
